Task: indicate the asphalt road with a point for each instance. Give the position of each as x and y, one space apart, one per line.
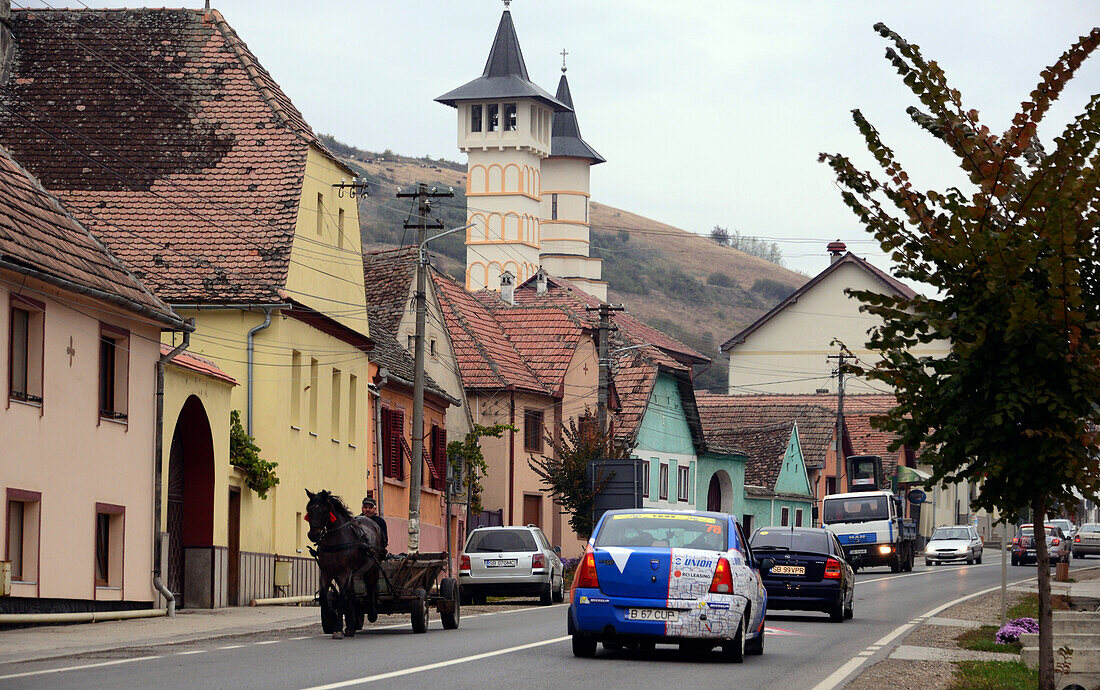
530 647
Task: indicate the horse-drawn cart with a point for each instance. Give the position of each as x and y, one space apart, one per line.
406 585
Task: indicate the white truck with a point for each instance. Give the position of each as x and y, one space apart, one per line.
870 527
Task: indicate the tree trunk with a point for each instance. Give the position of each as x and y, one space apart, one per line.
1046 619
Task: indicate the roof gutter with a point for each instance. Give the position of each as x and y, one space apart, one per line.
174 321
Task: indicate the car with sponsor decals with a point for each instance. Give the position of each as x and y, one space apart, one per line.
809 572
652 576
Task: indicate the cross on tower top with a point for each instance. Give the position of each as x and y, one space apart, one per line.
564 52
506 3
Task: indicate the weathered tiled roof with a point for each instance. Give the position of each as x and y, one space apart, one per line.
765 448
388 277
39 238
166 137
398 362
888 281
487 359
725 414
198 364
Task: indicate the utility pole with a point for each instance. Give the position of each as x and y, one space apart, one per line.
605 363
416 462
841 359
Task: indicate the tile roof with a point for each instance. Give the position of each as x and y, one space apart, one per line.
166 137
388 277
398 362
39 238
198 364
723 415
885 278
765 448
487 359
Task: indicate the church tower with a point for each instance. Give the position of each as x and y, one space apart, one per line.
565 195
504 127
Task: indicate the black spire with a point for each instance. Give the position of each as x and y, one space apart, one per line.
505 74
565 133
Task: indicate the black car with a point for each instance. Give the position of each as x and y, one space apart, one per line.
809 571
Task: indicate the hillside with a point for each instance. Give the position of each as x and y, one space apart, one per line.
678 281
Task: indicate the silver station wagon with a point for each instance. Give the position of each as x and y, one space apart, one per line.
510 561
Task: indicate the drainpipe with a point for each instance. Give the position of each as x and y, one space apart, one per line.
251 356
158 468
376 391
512 459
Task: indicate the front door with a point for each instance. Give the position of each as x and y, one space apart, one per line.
532 510
714 494
233 567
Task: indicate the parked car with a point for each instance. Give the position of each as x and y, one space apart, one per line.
1067 527
1087 540
653 577
1023 547
958 543
510 561
809 571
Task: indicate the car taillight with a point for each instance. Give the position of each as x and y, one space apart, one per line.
1077 540
538 561
723 578
586 572
1015 541
1054 541
832 569
464 563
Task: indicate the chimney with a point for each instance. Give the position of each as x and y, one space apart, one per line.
836 250
7 41
508 287
540 282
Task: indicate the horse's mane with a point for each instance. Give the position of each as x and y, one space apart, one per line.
336 504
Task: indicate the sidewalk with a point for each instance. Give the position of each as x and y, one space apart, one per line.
28 644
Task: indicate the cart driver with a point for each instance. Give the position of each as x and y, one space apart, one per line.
370 510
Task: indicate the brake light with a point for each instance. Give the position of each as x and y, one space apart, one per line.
1054 541
586 572
723 578
1077 540
538 561
1015 541
832 569
464 563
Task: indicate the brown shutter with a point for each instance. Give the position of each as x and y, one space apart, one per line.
439 457
397 431
387 443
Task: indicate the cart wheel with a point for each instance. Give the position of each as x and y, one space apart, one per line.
448 589
420 612
330 619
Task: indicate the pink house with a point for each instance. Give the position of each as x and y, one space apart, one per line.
80 338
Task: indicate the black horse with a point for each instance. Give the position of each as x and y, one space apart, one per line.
347 547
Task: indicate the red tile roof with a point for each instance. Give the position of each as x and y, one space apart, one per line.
166 137
487 359
198 364
38 237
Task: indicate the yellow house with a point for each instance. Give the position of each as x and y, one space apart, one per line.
215 192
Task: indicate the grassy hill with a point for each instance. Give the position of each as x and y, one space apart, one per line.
675 280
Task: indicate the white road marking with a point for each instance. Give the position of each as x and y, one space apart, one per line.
927 572
440 664
267 642
82 667
230 646
193 651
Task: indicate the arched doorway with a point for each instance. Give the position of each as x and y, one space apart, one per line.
720 492
190 519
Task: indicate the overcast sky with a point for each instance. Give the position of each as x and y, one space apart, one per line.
707 112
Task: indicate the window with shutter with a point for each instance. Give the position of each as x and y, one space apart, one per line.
439 458
397 433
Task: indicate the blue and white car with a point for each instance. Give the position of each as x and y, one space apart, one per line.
668 577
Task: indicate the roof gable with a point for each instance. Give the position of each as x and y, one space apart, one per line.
178 150
885 279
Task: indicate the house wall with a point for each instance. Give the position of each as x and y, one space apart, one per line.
321 451
326 265
63 451
798 338
665 438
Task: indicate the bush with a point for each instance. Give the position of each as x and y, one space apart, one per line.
721 280
1011 631
771 291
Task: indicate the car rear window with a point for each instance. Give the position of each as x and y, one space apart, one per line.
816 541
1090 528
497 540
664 530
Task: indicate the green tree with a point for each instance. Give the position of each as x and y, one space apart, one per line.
1013 264
245 454
720 235
469 462
564 471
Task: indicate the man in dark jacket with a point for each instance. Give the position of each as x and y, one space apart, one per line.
370 510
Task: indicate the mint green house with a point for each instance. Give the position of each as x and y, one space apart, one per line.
756 473
665 433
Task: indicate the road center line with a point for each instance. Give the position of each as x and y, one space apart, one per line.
78 668
440 664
